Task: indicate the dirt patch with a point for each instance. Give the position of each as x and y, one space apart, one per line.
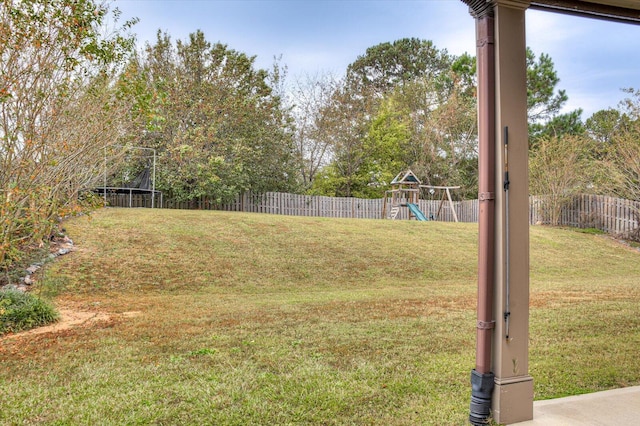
69 319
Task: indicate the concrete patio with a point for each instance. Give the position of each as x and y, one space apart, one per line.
617 407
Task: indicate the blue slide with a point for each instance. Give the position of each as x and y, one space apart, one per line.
416 211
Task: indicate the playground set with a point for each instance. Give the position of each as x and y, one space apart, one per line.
406 190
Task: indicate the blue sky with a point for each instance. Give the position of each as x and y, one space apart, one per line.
594 59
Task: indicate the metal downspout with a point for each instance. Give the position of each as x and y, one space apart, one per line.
482 379
486 188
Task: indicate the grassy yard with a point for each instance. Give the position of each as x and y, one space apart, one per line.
229 318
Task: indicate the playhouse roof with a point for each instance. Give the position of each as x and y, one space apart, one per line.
406 177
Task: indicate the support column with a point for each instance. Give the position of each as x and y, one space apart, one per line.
500 383
512 399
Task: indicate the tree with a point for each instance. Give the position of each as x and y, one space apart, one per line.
559 169
388 134
603 125
432 96
561 124
309 97
387 65
379 158
59 110
219 126
625 150
625 156
544 103
348 116
406 93
442 149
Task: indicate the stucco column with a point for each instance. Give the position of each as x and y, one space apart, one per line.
512 399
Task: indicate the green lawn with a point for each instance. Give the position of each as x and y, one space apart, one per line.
230 318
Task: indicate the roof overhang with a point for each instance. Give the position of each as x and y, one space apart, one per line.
627 11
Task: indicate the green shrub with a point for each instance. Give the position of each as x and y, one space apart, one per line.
22 311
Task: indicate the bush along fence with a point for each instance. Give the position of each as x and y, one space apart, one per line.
609 214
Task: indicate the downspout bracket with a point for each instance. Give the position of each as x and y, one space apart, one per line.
486 325
486 196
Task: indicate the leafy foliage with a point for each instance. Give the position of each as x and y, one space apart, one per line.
59 109
601 156
388 65
21 311
624 152
308 97
562 167
402 105
544 103
542 100
380 157
603 126
215 119
347 117
442 149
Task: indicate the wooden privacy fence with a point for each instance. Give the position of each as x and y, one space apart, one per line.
609 214
345 207
306 205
